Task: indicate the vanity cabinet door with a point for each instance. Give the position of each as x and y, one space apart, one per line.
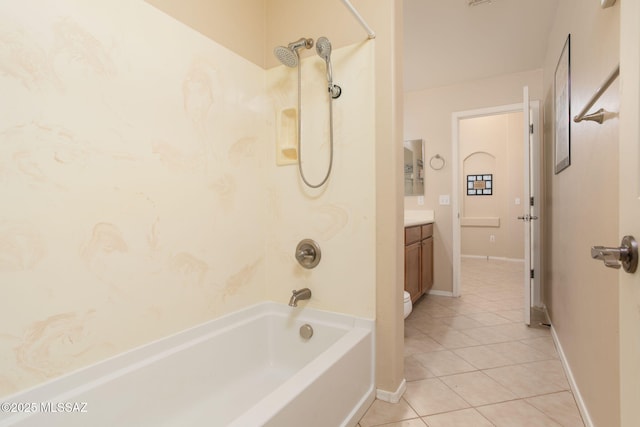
426 275
412 276
418 260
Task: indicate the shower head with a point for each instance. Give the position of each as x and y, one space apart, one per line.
323 47
289 55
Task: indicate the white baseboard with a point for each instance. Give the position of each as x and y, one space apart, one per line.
441 293
582 407
392 396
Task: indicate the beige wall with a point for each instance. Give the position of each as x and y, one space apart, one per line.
493 144
238 25
130 183
580 294
145 192
427 115
385 17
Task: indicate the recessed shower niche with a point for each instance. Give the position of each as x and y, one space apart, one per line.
287 138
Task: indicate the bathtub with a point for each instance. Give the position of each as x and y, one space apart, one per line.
248 368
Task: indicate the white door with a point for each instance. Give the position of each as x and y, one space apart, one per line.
526 217
629 204
530 211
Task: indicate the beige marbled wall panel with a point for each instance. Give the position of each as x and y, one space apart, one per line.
340 216
131 155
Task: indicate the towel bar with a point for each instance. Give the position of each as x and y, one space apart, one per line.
598 116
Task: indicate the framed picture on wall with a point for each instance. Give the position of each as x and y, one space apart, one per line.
562 109
480 185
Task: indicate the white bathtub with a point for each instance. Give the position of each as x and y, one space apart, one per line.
249 368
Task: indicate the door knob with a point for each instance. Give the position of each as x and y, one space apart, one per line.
527 217
627 254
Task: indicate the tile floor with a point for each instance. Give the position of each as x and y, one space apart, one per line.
470 361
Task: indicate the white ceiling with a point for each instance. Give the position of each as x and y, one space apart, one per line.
447 42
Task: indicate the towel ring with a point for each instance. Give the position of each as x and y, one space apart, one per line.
437 158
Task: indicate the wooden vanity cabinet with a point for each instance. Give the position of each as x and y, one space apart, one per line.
418 260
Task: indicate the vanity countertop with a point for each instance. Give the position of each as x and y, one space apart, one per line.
415 217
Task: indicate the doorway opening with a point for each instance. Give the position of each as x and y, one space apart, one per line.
496 178
491 237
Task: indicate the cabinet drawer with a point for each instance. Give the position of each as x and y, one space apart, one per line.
411 235
427 230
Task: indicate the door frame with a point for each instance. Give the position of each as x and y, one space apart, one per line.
536 172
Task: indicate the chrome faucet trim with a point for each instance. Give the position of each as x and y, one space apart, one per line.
301 294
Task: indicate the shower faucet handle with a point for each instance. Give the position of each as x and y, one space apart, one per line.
308 253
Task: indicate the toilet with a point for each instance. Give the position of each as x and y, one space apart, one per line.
407 304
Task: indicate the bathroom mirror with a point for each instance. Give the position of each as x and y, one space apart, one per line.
414 167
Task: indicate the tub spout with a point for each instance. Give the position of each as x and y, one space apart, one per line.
301 294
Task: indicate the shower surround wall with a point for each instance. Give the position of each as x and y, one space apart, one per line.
340 216
140 191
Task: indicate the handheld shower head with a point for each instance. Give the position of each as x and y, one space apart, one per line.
323 47
289 55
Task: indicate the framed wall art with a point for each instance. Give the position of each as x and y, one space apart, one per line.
480 185
562 109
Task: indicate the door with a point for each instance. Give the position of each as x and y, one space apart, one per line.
426 264
530 216
527 218
629 204
412 251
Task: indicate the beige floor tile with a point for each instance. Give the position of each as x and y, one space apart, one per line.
443 363
488 319
513 315
410 331
416 422
440 311
477 388
432 396
517 413
460 322
483 357
463 418
434 326
561 407
452 338
486 335
514 303
414 371
544 345
422 344
520 331
518 352
381 412
468 308
525 382
551 371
